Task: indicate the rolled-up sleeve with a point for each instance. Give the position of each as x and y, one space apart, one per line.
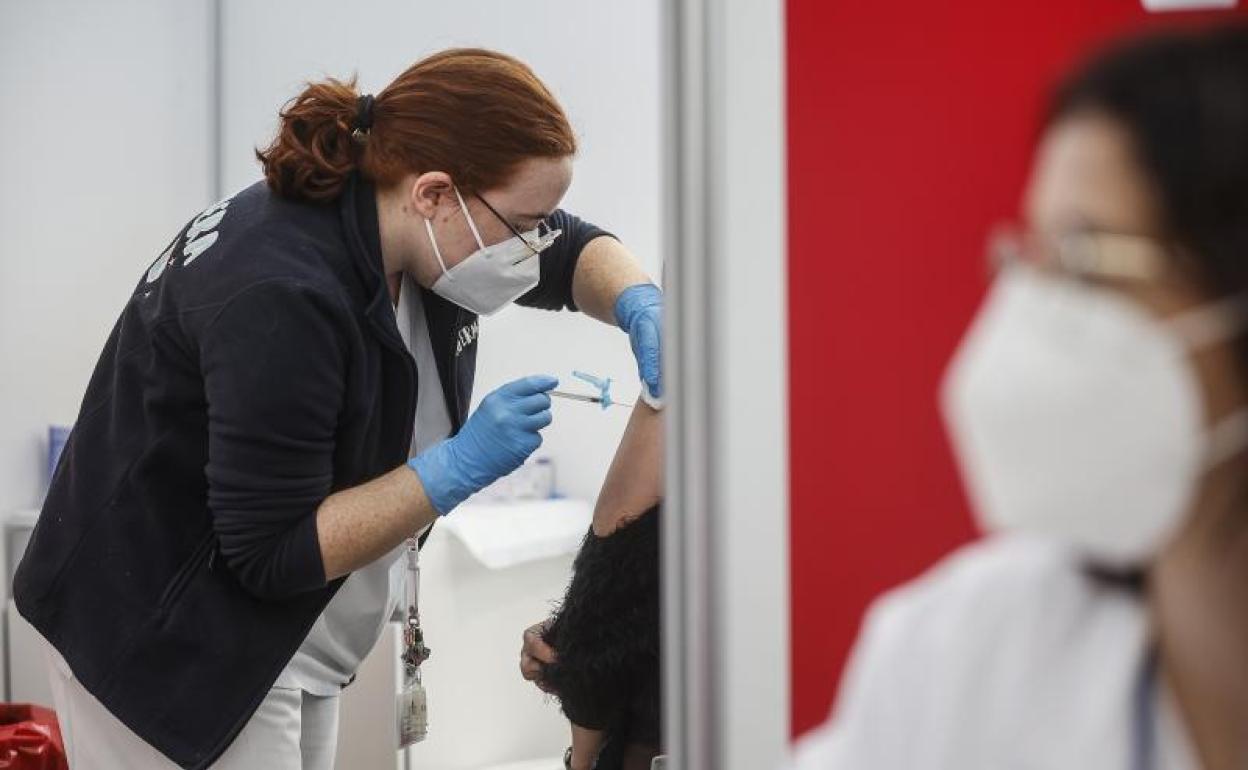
273 362
558 263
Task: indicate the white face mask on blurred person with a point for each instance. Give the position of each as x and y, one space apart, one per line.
1076 414
491 277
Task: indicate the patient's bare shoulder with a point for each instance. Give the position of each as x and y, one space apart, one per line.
604 526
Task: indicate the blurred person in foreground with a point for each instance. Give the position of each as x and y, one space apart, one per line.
1098 408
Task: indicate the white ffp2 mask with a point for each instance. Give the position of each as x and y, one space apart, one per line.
491 277
1076 414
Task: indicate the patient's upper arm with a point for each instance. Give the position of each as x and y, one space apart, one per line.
634 483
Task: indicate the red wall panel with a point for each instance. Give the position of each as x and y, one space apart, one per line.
910 131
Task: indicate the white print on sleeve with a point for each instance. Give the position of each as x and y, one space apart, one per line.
158 267
466 336
199 236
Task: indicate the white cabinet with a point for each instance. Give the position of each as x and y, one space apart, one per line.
27 672
25 679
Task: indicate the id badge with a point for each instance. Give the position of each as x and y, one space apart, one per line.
413 710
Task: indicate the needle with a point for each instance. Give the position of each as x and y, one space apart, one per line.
579 397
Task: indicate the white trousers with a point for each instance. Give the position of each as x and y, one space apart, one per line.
292 730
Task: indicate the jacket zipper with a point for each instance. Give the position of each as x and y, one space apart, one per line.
459 410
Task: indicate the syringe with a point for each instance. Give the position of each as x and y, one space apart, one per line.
579 397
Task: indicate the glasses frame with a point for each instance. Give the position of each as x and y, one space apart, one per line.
543 230
1087 253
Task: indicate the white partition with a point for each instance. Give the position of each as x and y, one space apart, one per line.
726 553
105 152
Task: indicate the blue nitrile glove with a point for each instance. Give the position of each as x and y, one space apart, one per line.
496 439
639 311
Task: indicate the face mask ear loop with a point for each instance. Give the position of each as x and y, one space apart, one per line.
1211 324
1201 328
1228 438
471 224
436 251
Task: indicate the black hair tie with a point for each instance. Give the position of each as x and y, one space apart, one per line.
363 117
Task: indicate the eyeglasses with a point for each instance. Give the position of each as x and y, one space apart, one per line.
1096 255
545 235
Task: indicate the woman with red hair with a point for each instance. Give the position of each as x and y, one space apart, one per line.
283 408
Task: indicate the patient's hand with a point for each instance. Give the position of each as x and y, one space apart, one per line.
534 654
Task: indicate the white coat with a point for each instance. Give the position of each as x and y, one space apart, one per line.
1006 656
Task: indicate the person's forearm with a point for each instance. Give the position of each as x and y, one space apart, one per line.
605 268
359 525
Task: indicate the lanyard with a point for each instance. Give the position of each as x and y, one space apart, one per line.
414 650
412 706
1143 724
